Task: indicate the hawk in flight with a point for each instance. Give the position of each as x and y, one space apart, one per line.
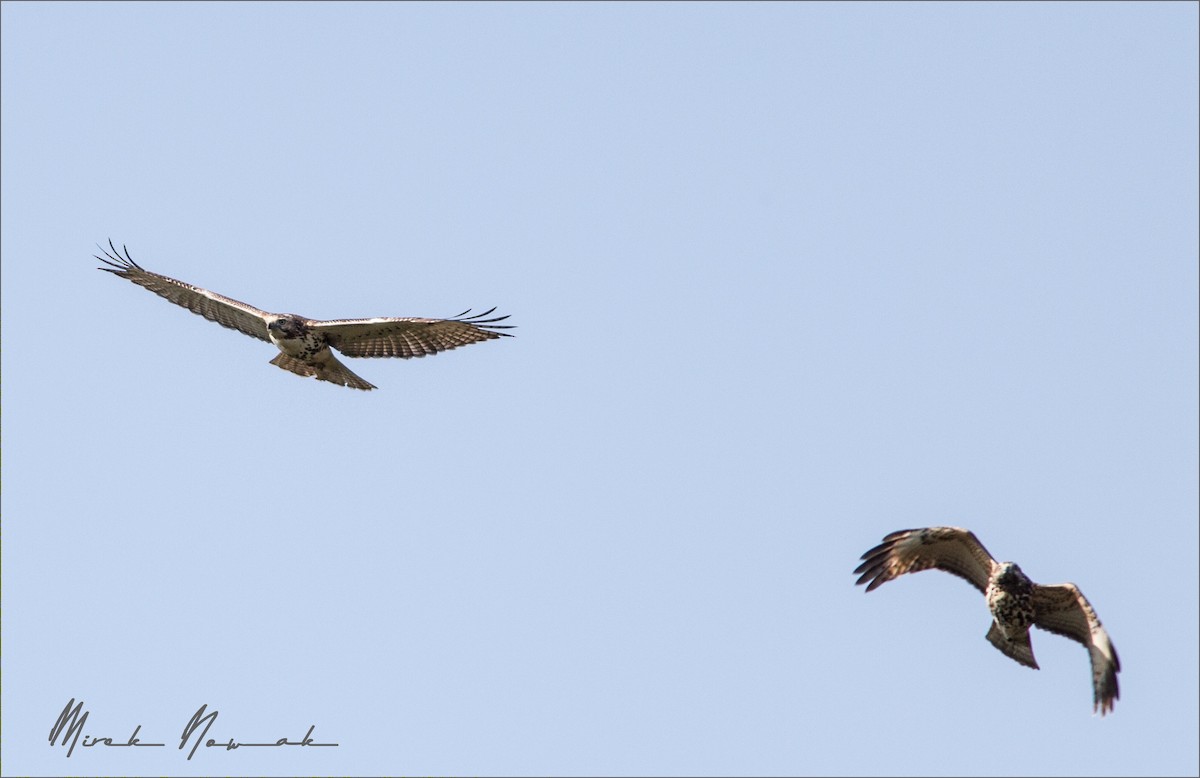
1016 602
306 345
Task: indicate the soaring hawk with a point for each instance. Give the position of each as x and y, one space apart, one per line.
305 345
1015 601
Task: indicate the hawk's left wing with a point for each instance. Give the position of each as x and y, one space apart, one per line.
408 337
1064 610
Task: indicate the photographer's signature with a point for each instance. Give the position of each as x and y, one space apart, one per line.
69 727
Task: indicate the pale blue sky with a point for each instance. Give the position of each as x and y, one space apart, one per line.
787 277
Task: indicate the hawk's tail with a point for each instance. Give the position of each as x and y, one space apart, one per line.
325 367
1019 648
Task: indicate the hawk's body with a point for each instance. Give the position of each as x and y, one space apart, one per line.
1016 603
306 345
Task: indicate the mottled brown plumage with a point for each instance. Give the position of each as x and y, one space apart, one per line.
1016 603
306 345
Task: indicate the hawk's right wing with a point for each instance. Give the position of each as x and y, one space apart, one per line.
212 306
952 549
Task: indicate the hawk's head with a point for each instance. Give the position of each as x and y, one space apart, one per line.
288 327
1010 576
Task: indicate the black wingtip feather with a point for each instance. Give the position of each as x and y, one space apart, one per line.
872 567
487 324
122 264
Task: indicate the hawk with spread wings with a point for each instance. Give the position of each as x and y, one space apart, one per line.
306 345
1016 602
